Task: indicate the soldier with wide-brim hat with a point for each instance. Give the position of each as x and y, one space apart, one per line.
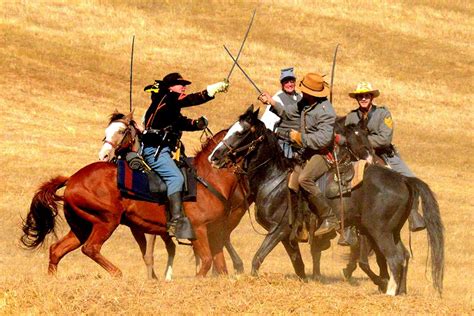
364 87
314 85
164 126
315 137
379 123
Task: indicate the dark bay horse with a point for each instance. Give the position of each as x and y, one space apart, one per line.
379 207
94 207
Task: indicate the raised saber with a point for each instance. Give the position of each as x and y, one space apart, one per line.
242 45
131 72
243 71
332 72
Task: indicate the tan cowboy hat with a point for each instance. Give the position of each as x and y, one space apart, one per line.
364 87
314 84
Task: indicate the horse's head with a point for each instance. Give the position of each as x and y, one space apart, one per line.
240 140
357 142
120 136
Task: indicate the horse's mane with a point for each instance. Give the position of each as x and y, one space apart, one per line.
116 116
210 141
274 147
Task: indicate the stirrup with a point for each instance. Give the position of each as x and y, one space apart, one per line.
184 229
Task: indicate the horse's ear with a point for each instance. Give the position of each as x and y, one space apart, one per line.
256 113
339 125
129 116
363 124
250 108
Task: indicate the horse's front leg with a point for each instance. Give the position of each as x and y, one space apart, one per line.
146 242
266 247
217 236
294 252
237 262
352 264
171 250
202 250
316 256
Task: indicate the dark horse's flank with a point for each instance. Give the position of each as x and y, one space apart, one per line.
94 207
379 207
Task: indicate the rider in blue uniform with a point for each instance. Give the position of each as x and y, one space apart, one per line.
164 125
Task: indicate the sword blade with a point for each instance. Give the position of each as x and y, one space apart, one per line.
243 71
131 72
332 72
242 45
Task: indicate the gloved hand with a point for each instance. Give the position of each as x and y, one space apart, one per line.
201 123
339 139
283 133
295 136
222 86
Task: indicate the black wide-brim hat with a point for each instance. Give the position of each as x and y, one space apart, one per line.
172 79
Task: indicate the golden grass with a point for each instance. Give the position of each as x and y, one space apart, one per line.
65 68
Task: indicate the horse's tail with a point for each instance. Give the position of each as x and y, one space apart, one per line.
434 227
41 219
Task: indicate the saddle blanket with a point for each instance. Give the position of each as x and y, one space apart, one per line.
135 184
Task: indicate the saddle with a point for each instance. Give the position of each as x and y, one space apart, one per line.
136 180
303 221
351 176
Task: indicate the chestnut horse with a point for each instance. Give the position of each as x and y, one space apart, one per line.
119 140
94 207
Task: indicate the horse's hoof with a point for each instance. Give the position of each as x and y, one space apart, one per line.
317 277
346 274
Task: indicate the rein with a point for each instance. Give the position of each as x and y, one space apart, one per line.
239 170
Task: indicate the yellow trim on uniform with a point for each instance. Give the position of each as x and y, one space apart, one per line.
388 121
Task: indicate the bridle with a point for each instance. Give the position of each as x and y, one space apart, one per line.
249 148
128 138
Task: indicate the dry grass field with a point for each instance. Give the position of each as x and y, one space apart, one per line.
65 67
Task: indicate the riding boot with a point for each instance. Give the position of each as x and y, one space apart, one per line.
179 225
319 204
415 220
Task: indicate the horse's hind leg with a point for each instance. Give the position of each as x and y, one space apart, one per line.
295 257
403 281
91 248
394 258
60 248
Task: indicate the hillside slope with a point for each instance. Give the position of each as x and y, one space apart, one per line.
65 67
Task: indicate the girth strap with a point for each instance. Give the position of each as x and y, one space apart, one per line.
214 191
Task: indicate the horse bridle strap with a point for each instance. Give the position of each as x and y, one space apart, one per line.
127 131
249 147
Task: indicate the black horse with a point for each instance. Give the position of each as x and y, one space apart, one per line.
378 208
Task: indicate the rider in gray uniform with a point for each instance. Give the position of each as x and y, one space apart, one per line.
380 126
285 105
